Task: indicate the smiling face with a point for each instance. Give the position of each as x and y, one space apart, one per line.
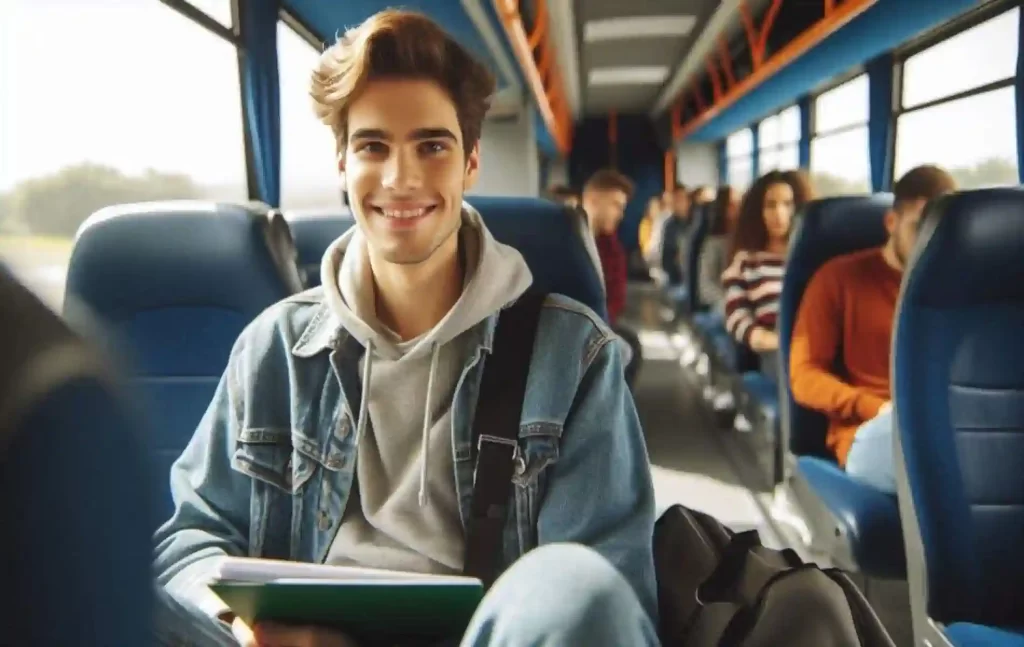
406 170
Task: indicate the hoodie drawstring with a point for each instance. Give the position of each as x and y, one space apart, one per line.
364 397
427 408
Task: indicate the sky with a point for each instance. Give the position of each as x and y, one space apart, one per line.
135 85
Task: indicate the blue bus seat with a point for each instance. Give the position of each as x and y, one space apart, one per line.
75 508
958 392
174 284
852 520
313 234
965 634
549 243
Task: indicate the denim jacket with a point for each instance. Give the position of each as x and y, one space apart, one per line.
269 470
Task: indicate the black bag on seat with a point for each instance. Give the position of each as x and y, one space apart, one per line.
717 588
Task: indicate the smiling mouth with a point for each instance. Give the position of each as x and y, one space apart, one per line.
405 214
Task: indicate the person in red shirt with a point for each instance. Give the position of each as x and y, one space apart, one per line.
847 314
605 196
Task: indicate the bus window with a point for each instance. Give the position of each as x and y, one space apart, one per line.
779 139
839 145
958 107
121 102
309 169
739 148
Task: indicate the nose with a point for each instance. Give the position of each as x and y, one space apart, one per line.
401 171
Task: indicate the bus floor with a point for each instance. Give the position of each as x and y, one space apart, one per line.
702 466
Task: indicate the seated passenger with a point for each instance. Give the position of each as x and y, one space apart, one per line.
753 280
714 252
847 310
673 237
340 431
604 200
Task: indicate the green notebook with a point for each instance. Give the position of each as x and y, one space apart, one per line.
364 603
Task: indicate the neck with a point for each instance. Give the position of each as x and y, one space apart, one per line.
411 299
890 256
777 246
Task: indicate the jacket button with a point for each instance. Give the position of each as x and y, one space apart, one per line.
324 521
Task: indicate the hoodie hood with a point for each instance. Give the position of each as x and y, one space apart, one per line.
495 275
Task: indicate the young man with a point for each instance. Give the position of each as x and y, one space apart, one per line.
340 432
604 200
849 307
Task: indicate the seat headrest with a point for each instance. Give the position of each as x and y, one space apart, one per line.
313 234
542 232
835 226
147 256
825 229
970 250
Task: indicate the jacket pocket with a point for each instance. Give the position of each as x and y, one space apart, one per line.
268 456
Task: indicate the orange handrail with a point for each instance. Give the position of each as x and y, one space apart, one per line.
536 58
838 17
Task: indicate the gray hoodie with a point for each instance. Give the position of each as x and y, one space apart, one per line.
403 513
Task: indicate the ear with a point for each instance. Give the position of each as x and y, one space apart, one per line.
472 167
891 220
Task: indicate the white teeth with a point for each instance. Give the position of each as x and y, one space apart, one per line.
404 213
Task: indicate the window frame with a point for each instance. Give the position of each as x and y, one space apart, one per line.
749 156
816 134
937 36
195 14
782 142
850 76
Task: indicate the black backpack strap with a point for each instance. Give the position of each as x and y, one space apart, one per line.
496 433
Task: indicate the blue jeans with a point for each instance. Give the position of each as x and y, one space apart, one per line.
870 459
558 594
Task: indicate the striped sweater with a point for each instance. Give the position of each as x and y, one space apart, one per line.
753 283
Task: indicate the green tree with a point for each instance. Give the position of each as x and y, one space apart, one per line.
990 172
55 205
826 184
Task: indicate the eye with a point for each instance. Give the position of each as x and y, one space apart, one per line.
433 147
372 148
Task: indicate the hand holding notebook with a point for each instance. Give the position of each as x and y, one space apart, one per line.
362 602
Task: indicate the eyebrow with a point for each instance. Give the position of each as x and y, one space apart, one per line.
417 135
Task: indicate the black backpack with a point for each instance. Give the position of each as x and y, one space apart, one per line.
716 588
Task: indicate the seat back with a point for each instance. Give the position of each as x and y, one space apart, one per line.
174 284
281 244
958 385
702 215
313 234
75 504
825 229
549 243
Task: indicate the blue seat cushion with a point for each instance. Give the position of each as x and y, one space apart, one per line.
869 517
966 634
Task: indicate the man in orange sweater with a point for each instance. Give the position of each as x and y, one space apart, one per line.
847 310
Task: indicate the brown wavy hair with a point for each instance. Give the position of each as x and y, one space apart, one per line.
751 234
400 44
